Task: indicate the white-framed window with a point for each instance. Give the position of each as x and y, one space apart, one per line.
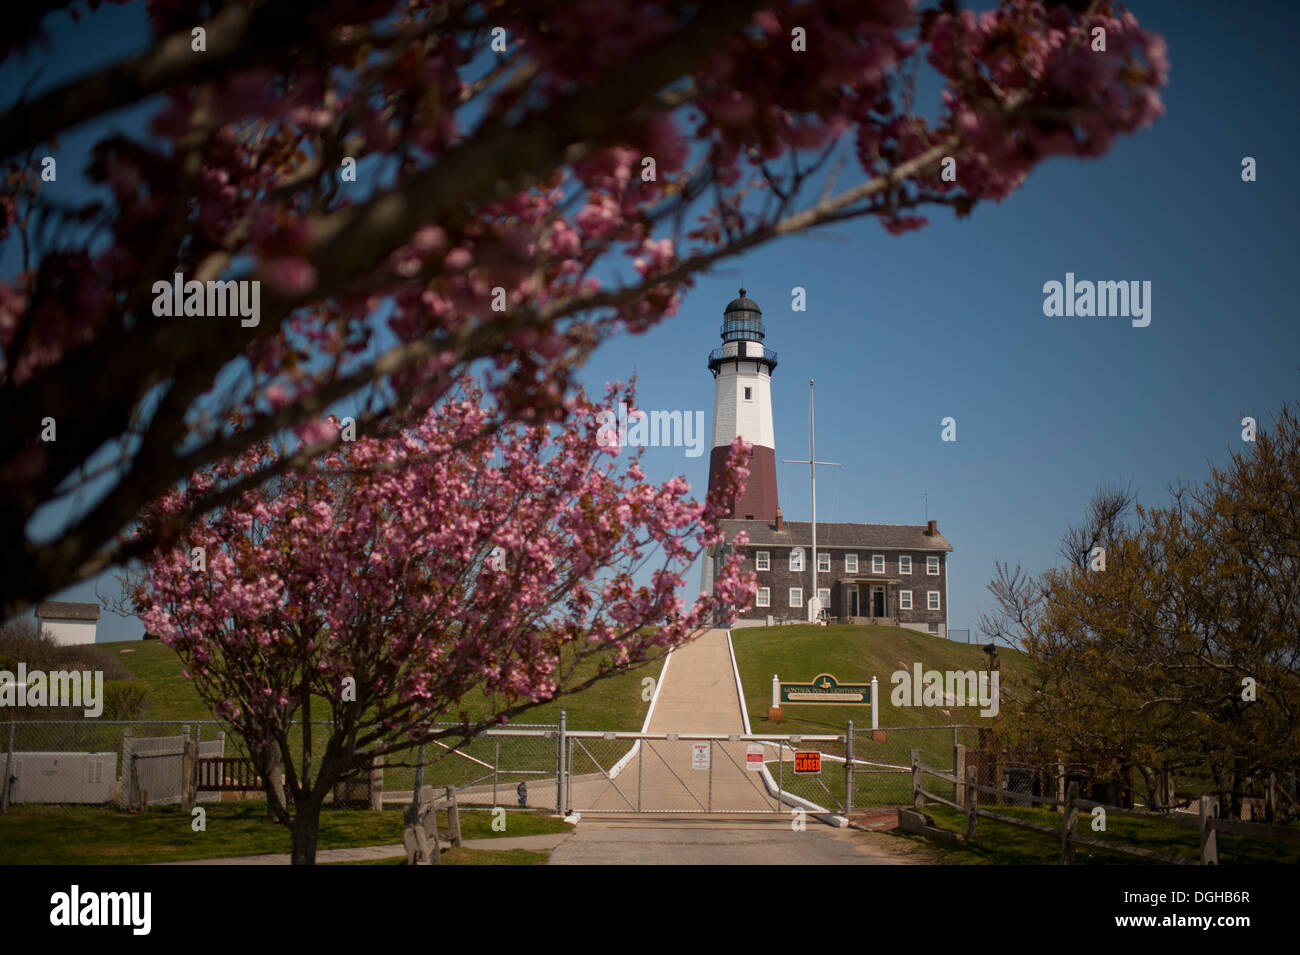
824 595
932 600
850 563
796 559
749 394
877 563
904 600
823 562
905 564
932 566
762 560
764 597
796 596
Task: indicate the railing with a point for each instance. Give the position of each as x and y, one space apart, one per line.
720 356
228 774
1206 822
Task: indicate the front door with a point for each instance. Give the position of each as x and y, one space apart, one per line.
853 601
878 601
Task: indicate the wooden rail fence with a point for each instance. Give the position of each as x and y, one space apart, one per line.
1207 822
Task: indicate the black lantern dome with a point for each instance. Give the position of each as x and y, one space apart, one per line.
742 320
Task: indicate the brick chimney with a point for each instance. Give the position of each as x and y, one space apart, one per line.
780 521
933 529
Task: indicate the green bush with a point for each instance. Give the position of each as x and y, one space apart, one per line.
125 699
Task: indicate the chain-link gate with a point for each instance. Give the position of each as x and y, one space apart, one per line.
691 773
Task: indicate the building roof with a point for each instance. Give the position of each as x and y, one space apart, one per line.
797 533
66 610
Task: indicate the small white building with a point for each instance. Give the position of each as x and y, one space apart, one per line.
68 623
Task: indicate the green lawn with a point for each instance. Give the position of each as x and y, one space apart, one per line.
853 654
613 703
77 835
997 843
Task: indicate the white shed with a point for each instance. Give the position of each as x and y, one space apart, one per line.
68 623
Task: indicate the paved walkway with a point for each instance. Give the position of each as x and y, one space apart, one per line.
703 840
698 695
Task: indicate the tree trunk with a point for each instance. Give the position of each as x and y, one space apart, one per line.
306 820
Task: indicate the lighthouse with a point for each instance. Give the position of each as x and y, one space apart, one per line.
742 405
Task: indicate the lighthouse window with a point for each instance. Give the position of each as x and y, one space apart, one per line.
749 394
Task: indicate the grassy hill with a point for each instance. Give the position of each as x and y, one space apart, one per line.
853 654
614 703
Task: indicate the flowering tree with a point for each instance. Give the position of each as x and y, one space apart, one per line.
386 582
421 187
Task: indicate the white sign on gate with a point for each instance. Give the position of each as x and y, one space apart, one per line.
699 756
754 757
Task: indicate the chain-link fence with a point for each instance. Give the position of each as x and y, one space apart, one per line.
140 764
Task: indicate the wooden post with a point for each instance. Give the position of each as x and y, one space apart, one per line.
1270 807
1060 784
453 817
377 784
972 802
959 773
1070 825
189 765
1209 836
918 802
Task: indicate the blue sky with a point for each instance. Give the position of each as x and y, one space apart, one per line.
903 331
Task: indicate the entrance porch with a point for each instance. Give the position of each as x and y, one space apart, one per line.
868 600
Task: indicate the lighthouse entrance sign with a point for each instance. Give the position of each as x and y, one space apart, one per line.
825 690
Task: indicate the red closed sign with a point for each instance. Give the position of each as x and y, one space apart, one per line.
807 762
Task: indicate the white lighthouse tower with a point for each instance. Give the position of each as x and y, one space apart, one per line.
742 405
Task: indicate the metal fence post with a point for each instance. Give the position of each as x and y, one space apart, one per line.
848 768
709 804
128 769
559 766
918 802
7 782
972 803
875 704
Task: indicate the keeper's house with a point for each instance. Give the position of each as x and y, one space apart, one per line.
894 574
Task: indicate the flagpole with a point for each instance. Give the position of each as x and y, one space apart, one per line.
812 463
812 472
